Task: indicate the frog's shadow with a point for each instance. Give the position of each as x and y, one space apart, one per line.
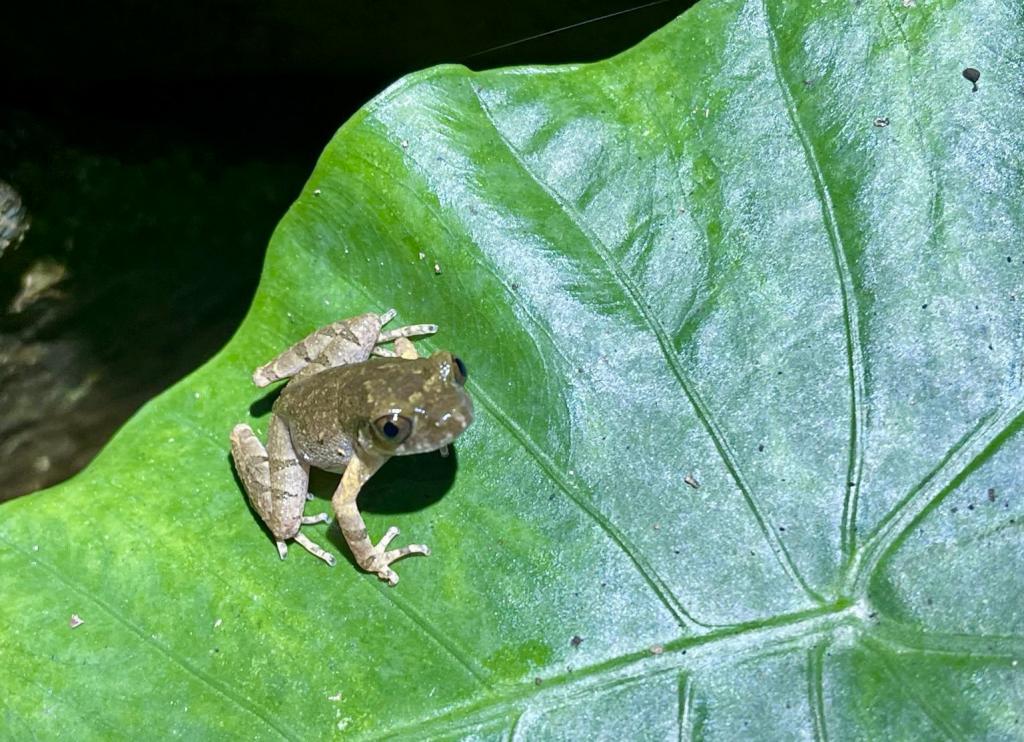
404 484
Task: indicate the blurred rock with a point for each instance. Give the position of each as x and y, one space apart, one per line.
14 221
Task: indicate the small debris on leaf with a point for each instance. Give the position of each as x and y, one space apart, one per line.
437 269
538 681
972 76
690 480
909 3
657 649
422 255
405 144
316 191
881 122
576 640
991 494
217 623
335 697
75 621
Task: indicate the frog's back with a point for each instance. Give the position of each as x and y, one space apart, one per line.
323 414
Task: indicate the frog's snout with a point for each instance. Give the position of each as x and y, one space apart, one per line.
452 423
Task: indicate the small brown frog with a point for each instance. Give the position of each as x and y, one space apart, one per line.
347 412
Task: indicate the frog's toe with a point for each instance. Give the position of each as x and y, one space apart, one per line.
390 556
387 557
282 549
387 538
314 549
382 557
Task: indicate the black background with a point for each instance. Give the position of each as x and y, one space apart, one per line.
156 146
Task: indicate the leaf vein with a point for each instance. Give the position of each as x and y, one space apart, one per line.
223 691
973 449
848 295
703 413
569 687
920 699
816 690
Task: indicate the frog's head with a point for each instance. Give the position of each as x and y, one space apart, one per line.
417 405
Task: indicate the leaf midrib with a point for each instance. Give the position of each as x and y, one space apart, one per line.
675 656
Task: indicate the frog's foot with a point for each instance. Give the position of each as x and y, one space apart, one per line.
399 333
379 559
305 543
406 332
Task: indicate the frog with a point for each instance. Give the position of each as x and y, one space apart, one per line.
350 403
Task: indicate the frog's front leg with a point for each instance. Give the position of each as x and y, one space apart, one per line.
371 558
276 483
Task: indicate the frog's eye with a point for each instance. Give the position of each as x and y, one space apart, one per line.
460 371
392 429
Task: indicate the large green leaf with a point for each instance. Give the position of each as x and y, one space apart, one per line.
706 257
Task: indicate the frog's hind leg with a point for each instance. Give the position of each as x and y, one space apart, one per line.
398 335
337 344
276 483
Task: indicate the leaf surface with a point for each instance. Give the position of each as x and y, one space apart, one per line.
774 249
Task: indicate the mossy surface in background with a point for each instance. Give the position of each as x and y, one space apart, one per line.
742 309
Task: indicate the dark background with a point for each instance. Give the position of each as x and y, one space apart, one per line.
155 148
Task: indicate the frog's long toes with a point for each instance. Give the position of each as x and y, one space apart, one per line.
314 549
383 558
308 520
390 556
387 538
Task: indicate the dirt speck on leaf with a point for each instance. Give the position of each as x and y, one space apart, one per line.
972 76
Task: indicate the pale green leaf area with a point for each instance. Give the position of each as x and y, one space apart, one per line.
708 256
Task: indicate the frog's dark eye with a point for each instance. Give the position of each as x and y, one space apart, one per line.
460 370
392 429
